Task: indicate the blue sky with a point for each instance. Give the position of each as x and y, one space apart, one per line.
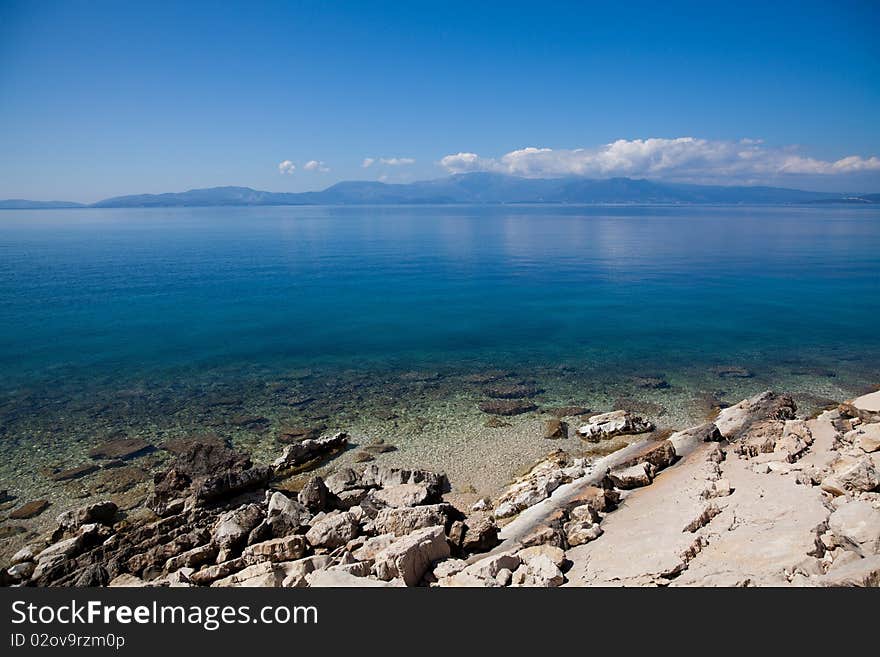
100 98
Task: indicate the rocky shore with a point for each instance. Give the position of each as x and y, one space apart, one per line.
758 496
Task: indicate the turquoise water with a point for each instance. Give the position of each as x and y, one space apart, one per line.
389 322
87 294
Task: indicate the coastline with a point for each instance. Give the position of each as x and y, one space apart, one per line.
472 522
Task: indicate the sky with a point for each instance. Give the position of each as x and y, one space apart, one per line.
99 99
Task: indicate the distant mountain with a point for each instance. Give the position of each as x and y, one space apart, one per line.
22 204
472 188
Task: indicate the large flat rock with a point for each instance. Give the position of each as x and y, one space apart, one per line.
869 402
643 540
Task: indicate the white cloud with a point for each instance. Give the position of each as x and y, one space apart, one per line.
286 166
684 158
389 161
316 165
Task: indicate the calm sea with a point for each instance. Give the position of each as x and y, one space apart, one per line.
134 294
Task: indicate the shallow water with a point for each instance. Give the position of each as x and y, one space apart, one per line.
165 322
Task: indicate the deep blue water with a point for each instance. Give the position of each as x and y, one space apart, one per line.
139 293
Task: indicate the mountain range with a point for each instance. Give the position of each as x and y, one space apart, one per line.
470 188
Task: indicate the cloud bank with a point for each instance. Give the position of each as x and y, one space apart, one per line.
286 167
684 158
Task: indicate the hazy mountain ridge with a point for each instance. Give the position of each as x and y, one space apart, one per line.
470 188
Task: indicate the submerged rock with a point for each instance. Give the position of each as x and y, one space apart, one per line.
29 510
507 407
512 391
121 448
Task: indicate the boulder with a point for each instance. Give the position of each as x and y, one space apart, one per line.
555 428
368 550
555 554
193 558
404 520
298 454
21 571
481 534
344 479
488 568
856 525
659 454
866 437
615 423
314 495
634 476
539 571
851 474
402 495
379 476
232 528
410 556
578 532
297 571
333 530
287 548
285 516
261 575
736 421
101 512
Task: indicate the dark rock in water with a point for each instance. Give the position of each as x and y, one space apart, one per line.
733 372
119 479
639 406
651 382
568 411
512 391
419 376
314 494
178 446
289 435
122 448
5 496
486 377
495 423
8 531
378 446
555 429
299 400
814 371
75 473
252 422
29 510
363 457
507 407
